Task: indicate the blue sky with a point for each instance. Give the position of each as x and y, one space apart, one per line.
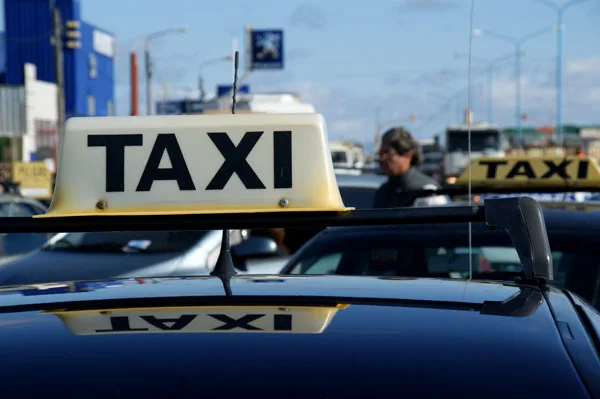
349 57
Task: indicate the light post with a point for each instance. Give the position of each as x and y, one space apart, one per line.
489 69
518 44
559 28
148 61
205 64
450 104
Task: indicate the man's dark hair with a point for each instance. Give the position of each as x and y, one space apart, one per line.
402 141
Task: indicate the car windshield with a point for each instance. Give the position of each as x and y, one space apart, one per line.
339 156
16 209
458 141
127 241
437 252
429 149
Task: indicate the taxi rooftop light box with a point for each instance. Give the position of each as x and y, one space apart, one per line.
195 164
544 173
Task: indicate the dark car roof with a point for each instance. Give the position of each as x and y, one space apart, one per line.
421 336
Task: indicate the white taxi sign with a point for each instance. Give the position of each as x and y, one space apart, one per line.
195 164
207 319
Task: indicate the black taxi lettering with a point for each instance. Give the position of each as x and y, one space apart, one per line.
178 170
492 167
175 324
115 156
235 161
582 171
281 322
231 323
524 168
521 168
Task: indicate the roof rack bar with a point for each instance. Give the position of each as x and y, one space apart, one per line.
520 217
523 220
459 190
443 214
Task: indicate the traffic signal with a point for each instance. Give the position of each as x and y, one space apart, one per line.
72 35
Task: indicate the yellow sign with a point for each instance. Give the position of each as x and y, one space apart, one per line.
533 172
209 319
205 164
34 178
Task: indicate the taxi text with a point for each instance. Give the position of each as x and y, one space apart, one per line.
281 322
525 169
234 160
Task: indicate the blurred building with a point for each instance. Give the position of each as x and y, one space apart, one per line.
246 102
88 70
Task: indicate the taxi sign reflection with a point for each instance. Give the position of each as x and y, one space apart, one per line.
208 319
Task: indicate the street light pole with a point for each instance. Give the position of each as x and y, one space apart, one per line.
148 62
489 70
518 44
559 28
205 64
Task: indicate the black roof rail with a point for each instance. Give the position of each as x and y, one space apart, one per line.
520 217
523 220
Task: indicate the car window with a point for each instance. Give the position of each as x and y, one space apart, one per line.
398 260
15 209
421 254
129 241
326 264
358 197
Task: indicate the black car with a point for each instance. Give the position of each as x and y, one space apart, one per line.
386 335
293 337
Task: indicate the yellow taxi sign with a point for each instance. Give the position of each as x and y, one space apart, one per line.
34 178
206 319
195 164
532 172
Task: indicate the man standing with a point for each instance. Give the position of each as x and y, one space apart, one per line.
399 157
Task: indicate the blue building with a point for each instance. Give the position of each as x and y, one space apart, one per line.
2 58
88 53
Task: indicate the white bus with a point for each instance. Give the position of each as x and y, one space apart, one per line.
486 140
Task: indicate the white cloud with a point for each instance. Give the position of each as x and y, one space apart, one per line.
581 93
308 16
427 5
350 114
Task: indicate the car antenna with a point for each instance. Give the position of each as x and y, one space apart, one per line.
224 267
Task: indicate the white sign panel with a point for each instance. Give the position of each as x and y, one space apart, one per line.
104 44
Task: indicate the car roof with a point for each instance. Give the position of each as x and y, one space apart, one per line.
417 335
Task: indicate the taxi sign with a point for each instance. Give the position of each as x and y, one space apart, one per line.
544 197
545 172
34 179
206 319
195 164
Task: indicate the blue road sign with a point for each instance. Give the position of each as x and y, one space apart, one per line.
224 89
266 49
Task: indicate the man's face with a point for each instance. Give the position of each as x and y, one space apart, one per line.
392 163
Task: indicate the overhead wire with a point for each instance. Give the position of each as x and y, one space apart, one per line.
469 135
